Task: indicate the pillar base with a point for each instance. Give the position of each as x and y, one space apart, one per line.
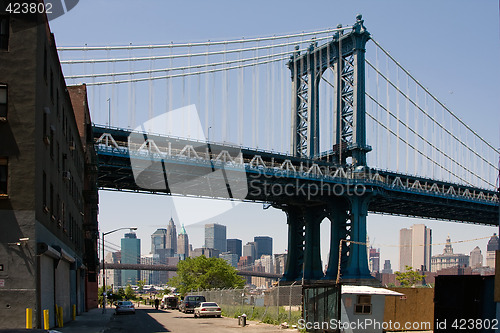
372 282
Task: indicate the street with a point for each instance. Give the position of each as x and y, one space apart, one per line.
149 320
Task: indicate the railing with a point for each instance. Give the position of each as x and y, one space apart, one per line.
284 165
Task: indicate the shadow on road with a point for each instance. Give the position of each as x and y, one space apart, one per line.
141 322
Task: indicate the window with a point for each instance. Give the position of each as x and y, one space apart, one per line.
364 304
3 176
4 32
3 102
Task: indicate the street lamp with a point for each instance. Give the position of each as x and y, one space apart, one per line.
103 268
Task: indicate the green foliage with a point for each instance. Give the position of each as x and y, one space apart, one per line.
129 292
409 278
205 273
140 284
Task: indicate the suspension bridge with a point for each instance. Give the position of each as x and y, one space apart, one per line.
323 124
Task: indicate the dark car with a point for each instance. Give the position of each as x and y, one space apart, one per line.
190 302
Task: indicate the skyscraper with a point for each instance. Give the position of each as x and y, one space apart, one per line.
249 251
131 254
387 267
476 258
215 237
263 245
171 238
183 244
374 260
490 251
415 247
158 240
234 246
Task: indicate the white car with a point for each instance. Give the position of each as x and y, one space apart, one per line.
207 309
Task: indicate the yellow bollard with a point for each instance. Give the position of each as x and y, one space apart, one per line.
61 318
29 318
74 311
46 325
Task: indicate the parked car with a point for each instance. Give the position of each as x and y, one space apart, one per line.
206 309
124 307
169 302
190 302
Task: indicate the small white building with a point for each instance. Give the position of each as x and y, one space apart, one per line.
362 308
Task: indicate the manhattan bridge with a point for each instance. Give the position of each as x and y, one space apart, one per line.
322 125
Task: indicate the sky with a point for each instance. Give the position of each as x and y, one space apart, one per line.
451 47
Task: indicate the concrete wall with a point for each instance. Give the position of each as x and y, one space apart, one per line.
416 306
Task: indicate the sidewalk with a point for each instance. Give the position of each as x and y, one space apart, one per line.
93 321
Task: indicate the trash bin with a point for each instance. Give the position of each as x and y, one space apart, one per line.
242 320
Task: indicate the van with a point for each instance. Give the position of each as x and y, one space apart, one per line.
190 302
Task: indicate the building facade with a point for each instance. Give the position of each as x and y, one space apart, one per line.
215 237
158 240
263 246
493 245
374 260
131 254
48 195
415 247
171 238
249 251
387 267
234 246
448 259
476 258
183 244
231 258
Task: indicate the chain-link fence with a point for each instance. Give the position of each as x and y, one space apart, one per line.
273 306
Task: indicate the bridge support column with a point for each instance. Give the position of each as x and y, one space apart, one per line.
295 257
312 253
337 213
357 263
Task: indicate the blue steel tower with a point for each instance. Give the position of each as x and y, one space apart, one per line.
347 211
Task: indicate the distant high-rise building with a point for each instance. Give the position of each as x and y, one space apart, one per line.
183 244
448 259
205 251
249 251
215 237
263 245
387 267
490 251
476 258
113 276
234 246
230 258
151 277
158 240
280 263
171 237
131 254
415 247
374 260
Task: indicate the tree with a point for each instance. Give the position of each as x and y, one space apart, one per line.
409 278
205 273
140 285
129 292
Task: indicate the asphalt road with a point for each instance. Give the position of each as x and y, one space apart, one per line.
149 320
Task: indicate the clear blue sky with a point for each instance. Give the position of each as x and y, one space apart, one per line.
452 47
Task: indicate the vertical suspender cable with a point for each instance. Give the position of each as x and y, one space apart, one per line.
150 86
188 99
377 114
407 163
282 101
207 98
224 97
241 90
397 121
388 118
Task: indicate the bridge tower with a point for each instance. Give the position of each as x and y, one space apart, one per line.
345 55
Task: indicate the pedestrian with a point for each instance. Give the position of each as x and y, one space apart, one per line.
157 303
